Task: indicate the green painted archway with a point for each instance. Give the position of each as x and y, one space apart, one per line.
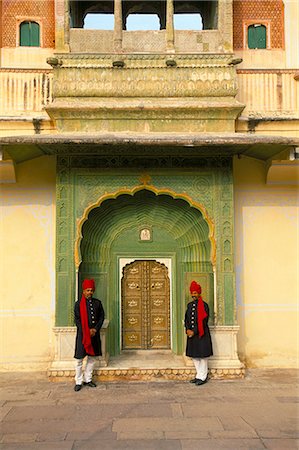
179 232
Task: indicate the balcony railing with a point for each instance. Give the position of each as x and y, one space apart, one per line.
24 91
272 93
268 93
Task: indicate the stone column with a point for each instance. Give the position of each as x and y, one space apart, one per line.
62 25
169 26
118 25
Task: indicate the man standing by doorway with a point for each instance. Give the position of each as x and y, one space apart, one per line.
89 317
199 343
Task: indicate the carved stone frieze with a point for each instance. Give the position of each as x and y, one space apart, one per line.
159 82
155 160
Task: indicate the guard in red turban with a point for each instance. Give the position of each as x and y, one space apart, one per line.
199 343
89 318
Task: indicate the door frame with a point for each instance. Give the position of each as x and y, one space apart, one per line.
169 261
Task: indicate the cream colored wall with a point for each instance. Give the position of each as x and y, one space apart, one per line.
27 248
25 57
261 59
266 235
291 14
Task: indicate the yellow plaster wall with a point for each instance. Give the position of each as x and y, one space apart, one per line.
261 59
27 270
291 24
25 57
266 235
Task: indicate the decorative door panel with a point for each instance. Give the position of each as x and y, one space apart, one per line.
145 306
132 308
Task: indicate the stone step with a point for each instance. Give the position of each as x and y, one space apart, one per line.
146 374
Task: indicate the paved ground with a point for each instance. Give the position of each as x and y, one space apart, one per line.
258 412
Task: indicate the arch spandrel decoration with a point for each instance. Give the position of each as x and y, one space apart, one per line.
157 192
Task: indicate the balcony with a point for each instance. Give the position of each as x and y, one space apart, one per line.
24 92
273 94
269 93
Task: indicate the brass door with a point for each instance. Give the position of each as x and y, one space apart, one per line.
145 306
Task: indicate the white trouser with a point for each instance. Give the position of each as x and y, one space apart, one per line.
87 376
201 366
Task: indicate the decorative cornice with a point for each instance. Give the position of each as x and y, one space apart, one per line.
23 70
274 71
138 61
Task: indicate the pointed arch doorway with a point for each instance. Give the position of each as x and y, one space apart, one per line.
180 237
145 306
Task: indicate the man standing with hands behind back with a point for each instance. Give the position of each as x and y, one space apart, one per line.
199 343
89 318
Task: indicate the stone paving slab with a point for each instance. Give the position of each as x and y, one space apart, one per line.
129 445
279 444
232 444
260 411
102 435
167 424
50 445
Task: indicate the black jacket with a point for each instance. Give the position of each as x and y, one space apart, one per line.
197 347
96 316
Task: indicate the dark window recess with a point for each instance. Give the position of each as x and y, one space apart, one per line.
29 34
257 36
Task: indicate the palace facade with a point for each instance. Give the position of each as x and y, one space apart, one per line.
146 159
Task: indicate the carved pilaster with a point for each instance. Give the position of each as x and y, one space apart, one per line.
62 25
169 26
65 277
118 21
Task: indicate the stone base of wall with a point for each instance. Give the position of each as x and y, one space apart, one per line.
65 345
224 364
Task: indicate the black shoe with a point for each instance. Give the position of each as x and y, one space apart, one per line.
78 387
200 382
194 380
90 384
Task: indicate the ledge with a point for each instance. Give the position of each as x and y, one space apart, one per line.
262 147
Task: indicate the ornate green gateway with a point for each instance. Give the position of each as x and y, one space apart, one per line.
152 86
104 202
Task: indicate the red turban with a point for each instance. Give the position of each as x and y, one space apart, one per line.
88 284
201 312
195 287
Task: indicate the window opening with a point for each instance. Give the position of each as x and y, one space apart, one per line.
29 34
187 21
136 22
257 36
90 14
99 22
144 15
206 10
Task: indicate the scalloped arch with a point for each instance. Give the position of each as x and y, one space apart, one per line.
190 224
